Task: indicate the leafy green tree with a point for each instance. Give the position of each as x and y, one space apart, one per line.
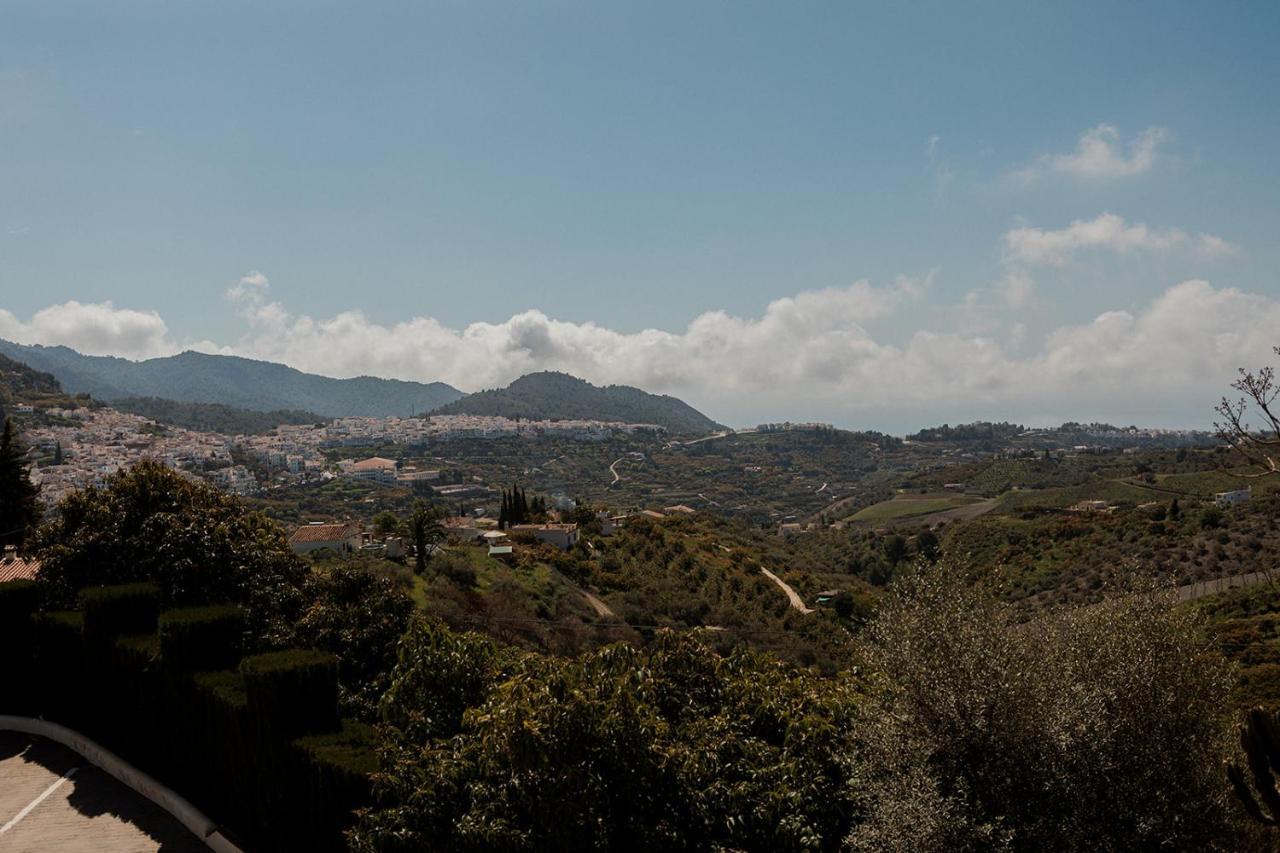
668 748
927 545
386 523
425 527
19 504
359 617
895 549
197 543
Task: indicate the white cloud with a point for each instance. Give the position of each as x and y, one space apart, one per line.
94 329
1100 154
1107 231
806 355
1016 288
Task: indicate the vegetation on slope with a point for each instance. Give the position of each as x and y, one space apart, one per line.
213 417
559 396
232 381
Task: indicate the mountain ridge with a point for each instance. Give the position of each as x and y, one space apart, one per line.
557 395
235 381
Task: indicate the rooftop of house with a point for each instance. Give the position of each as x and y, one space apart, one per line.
374 463
15 568
325 532
566 528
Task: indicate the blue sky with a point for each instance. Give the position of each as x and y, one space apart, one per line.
614 168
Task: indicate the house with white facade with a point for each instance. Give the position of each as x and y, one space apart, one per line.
1238 496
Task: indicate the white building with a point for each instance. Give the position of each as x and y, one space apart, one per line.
1239 496
375 468
562 536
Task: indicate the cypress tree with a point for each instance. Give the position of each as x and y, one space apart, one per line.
19 509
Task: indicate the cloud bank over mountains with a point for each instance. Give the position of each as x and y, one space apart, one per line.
806 355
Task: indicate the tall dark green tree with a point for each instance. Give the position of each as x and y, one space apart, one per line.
57 454
19 505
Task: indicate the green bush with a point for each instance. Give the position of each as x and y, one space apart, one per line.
1096 728
202 638
110 611
293 692
60 663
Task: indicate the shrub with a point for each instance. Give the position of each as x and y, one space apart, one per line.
1097 728
202 638
110 611
293 692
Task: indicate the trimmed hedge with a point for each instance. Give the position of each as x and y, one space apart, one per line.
110 611
202 638
19 601
293 692
260 748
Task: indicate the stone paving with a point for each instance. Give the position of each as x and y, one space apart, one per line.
53 801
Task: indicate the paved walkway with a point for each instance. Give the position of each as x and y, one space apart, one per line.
52 801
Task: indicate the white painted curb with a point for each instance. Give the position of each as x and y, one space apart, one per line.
187 814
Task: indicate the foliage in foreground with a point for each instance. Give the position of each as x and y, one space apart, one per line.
202 547
199 545
672 747
1096 728
1099 728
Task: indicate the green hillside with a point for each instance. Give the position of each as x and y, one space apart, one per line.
231 381
559 396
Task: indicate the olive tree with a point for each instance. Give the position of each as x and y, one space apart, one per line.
1093 728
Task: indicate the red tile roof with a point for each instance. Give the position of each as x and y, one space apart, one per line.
324 532
18 568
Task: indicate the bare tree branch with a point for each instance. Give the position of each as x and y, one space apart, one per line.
1261 446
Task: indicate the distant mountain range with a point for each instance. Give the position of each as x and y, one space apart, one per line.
263 386
230 381
558 395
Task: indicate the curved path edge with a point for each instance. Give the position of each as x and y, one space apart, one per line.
185 813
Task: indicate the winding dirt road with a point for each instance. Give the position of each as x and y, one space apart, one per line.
796 601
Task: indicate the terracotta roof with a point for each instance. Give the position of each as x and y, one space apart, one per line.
373 463
18 568
324 532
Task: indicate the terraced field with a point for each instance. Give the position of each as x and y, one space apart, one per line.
911 505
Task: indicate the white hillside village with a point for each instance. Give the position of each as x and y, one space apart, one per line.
93 444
